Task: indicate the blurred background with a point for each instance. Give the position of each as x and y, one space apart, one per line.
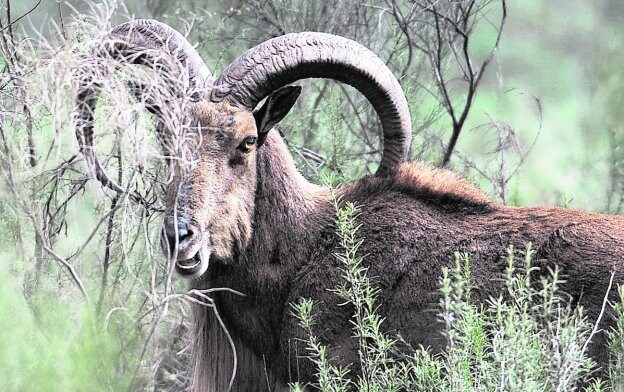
523 98
553 82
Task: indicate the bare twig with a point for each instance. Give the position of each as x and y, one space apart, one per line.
473 76
60 12
605 301
12 22
12 63
70 268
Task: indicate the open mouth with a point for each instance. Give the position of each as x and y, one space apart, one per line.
195 266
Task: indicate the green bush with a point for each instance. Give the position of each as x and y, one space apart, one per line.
528 339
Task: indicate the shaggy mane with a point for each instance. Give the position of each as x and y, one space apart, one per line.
438 181
440 188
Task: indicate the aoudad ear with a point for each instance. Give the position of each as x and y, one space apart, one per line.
274 109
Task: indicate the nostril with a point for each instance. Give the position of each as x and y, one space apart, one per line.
185 234
179 236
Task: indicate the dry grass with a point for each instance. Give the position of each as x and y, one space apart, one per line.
66 239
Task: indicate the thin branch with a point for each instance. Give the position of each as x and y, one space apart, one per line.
11 23
17 77
70 268
107 252
474 78
605 301
62 20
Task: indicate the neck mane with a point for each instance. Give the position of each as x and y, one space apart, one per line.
289 210
290 214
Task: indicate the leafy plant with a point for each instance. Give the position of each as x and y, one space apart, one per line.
528 339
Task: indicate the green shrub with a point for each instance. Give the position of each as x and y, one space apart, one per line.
528 339
616 339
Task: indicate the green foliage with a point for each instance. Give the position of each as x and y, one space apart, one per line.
377 366
380 371
616 339
84 305
50 346
52 340
527 339
330 377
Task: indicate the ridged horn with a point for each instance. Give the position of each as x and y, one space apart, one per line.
286 59
140 41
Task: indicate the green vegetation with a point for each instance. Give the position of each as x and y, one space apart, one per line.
529 339
86 301
50 346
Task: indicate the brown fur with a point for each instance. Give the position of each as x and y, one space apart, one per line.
412 222
214 186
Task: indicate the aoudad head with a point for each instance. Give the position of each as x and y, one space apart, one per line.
210 196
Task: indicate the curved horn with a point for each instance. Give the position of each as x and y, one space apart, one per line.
283 60
140 41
